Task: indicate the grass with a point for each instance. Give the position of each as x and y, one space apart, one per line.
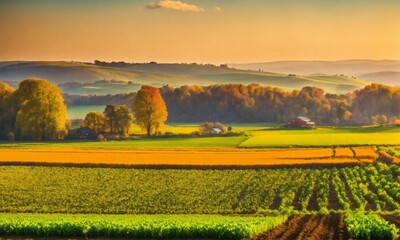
144 143
136 226
323 137
79 112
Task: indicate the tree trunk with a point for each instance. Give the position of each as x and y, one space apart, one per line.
148 129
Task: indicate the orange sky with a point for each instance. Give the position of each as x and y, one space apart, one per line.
216 31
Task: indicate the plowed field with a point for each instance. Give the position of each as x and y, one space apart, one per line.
312 227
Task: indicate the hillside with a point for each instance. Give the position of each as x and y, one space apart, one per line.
386 77
382 71
87 78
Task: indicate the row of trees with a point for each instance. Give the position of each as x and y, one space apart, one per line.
148 108
115 120
374 103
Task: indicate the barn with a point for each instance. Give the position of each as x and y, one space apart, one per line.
300 122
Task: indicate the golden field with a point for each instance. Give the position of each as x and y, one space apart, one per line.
227 157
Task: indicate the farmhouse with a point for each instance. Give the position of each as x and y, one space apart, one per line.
215 131
300 122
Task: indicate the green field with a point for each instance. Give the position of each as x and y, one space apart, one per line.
143 191
145 143
79 112
256 136
323 137
135 226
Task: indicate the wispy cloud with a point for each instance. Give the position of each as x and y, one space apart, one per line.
175 5
217 9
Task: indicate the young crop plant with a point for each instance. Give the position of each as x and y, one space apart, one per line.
370 227
340 190
323 191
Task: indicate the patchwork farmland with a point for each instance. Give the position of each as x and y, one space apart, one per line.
198 183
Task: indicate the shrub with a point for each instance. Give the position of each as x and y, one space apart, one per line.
100 138
11 136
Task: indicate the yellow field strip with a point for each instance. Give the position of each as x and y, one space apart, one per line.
365 152
344 153
284 153
168 158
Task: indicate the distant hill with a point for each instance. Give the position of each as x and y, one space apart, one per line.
381 71
388 77
87 78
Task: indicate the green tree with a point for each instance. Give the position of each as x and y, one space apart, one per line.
111 117
124 120
41 112
149 109
6 113
95 121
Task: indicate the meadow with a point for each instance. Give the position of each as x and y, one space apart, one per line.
341 136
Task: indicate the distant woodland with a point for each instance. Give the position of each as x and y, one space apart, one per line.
238 103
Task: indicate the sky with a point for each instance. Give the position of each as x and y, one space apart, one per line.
202 31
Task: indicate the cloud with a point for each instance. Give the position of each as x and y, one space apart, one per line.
175 5
217 9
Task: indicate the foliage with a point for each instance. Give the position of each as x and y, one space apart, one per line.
370 226
149 109
169 191
6 113
254 103
136 226
95 121
41 111
11 136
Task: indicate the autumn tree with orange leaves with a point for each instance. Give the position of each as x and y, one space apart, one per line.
149 109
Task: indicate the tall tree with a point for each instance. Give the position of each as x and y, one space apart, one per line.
149 109
6 114
111 116
41 111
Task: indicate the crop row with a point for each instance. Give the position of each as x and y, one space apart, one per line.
136 226
168 191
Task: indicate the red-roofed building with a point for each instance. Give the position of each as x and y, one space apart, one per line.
300 122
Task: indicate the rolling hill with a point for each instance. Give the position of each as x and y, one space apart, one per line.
88 78
380 71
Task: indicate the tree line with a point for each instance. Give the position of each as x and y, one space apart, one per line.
374 103
238 103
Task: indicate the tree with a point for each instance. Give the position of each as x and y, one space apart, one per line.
6 115
124 120
149 109
111 117
95 121
41 113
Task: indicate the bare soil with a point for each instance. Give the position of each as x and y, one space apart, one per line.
314 227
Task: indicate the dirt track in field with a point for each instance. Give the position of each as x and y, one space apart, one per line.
395 219
312 227
157 158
